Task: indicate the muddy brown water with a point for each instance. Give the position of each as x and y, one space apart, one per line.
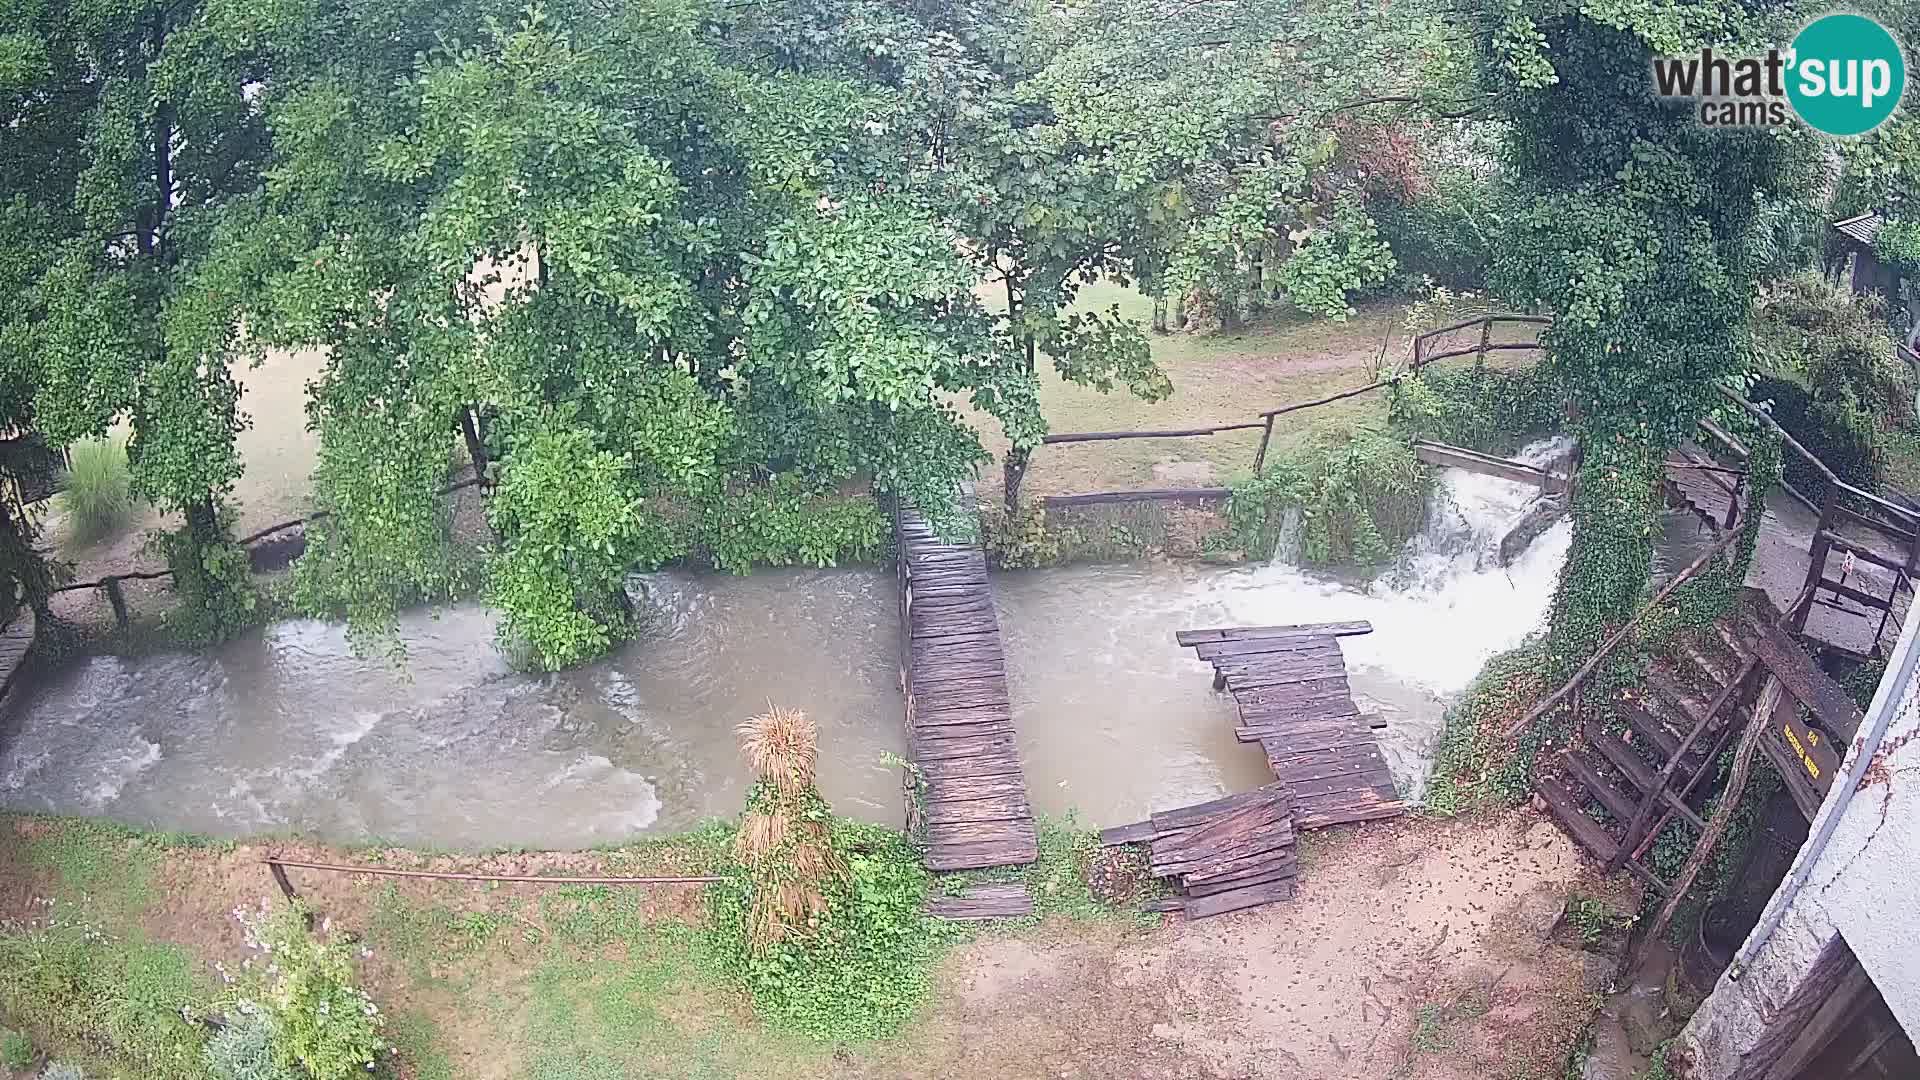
286 730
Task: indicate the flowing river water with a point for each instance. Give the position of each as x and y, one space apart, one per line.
285 730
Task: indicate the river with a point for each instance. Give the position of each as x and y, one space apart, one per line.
284 730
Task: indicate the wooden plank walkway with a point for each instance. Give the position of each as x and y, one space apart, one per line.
1290 685
981 902
972 806
1225 855
15 641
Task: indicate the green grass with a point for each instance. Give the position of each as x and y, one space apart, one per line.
1056 880
16 1049
99 494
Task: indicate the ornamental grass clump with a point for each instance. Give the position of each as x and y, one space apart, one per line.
785 843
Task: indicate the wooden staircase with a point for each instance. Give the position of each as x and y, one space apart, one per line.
1619 783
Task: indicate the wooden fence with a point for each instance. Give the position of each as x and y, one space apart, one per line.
1427 348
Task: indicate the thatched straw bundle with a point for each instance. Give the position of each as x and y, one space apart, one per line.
781 746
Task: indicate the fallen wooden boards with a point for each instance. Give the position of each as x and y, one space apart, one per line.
959 720
1226 855
1290 686
983 902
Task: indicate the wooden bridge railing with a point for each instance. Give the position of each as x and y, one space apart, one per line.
1424 353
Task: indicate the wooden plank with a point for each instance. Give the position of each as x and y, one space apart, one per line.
982 902
1205 907
1272 861
1004 808
1307 820
1315 645
953 749
962 788
1167 820
1136 833
1283 871
1831 705
1457 458
1332 629
1004 763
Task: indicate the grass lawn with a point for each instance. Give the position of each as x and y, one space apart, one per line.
1279 359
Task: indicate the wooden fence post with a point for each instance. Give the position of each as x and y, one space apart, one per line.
111 586
1486 339
476 449
1266 437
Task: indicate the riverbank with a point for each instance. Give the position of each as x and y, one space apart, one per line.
1420 949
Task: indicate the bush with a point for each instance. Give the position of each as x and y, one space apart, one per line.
16 1050
866 962
1845 440
1443 232
213 579
243 1050
786 522
99 490
318 1020
1479 408
1360 500
1018 541
1476 766
128 999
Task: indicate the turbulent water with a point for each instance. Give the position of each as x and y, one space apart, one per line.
286 730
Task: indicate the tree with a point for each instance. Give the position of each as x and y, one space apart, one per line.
1635 226
132 138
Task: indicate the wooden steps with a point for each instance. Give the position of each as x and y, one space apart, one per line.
1225 855
972 807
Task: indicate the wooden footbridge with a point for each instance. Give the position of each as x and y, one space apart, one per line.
970 806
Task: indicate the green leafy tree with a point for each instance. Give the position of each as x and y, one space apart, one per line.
132 139
1633 223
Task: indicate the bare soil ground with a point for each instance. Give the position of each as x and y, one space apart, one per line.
1418 949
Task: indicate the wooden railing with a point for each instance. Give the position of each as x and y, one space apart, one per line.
1424 353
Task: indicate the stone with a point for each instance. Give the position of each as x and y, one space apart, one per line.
1538 519
1543 834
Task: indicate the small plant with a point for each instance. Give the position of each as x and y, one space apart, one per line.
99 490
318 1020
1593 919
16 1050
784 840
244 1051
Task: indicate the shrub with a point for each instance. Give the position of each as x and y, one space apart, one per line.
1018 541
16 1050
1845 440
243 1050
1494 412
1442 232
319 1020
213 580
821 919
1359 500
99 490
786 522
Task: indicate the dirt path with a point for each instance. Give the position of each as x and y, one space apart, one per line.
1416 951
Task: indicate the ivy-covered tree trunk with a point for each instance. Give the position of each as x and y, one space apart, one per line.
1616 508
1160 313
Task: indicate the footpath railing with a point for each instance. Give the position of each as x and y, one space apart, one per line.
1427 348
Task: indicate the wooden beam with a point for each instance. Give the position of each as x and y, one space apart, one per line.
1441 454
1190 638
1092 498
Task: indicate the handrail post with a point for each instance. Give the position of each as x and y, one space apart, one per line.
1266 437
1486 339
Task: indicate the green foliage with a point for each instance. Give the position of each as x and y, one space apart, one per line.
122 997
1020 540
320 1022
1898 246
1616 509
16 1049
1443 232
1359 499
1864 681
1837 346
98 496
1593 918
243 1050
213 579
864 968
1844 440
1480 408
786 522
1334 258
1477 767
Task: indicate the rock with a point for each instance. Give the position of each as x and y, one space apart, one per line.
1596 972
1611 1057
1543 833
1223 558
1539 804
1537 913
1538 519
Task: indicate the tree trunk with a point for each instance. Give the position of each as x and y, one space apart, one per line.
1012 473
1180 311
476 449
1160 313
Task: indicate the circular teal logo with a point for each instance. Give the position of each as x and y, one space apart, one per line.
1846 74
